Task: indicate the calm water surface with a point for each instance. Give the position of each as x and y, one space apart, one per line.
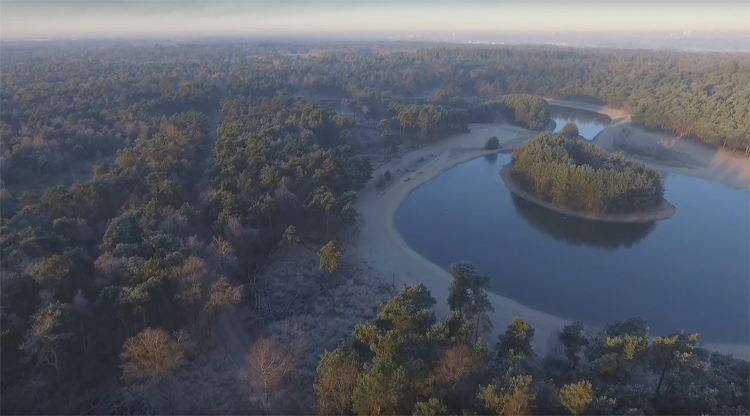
589 123
689 272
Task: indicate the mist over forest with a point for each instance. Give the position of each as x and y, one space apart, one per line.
180 224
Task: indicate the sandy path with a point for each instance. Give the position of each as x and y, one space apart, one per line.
385 250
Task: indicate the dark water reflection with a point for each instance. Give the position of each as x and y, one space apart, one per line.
580 232
689 272
589 123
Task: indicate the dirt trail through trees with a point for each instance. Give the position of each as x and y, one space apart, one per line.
234 338
230 330
230 333
213 129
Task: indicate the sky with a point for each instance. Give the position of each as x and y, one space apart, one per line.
29 19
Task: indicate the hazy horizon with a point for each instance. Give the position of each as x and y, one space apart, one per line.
150 18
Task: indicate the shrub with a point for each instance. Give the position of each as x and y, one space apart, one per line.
570 131
492 143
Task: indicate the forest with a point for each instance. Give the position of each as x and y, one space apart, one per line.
689 94
529 111
573 174
145 189
405 361
143 241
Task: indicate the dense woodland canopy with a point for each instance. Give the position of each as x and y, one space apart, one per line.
690 94
573 174
143 187
405 361
530 111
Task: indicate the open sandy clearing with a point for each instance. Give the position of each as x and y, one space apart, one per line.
385 250
672 154
665 151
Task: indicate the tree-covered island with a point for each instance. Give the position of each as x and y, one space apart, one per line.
574 177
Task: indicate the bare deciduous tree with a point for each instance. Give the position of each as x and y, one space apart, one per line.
220 296
454 364
191 276
151 354
295 342
185 341
235 228
109 269
44 340
267 363
223 250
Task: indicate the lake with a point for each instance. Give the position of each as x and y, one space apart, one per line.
589 123
689 272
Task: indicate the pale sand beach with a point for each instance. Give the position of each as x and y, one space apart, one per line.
383 248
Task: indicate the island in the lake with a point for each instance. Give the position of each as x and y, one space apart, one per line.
575 178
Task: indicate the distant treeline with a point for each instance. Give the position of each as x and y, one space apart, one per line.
570 173
698 94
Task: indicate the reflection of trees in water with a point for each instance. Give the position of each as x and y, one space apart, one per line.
581 232
577 115
491 158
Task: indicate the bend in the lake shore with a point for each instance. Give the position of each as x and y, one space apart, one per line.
615 114
663 212
379 241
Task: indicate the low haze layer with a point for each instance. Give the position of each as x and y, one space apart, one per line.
80 19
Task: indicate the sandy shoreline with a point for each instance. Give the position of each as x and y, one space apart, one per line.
684 156
615 114
384 249
665 211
